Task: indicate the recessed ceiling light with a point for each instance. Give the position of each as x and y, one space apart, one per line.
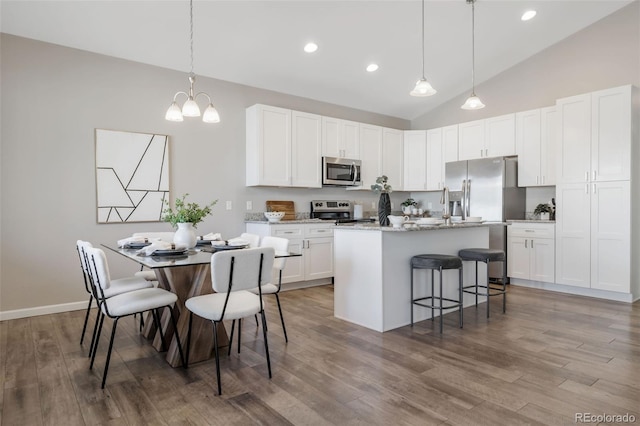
310 47
529 14
372 67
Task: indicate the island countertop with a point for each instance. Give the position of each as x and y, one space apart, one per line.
408 228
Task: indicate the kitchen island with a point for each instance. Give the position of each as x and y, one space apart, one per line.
372 279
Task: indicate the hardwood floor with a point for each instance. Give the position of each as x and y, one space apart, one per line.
549 357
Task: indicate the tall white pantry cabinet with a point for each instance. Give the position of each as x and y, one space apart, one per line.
597 191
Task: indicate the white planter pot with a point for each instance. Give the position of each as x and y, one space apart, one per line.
185 235
544 216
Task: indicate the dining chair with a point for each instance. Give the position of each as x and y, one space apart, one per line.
163 236
125 304
253 239
279 245
233 273
118 286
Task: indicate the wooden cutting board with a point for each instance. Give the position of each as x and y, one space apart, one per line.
282 206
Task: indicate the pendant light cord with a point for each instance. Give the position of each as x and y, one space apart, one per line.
191 33
473 47
423 77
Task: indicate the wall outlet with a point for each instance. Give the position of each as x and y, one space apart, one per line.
229 205
249 205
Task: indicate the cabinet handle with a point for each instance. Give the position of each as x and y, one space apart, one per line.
594 188
480 153
543 179
321 230
486 152
288 232
531 243
594 175
525 244
586 188
586 175
529 230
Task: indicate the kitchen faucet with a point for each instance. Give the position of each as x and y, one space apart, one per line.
444 199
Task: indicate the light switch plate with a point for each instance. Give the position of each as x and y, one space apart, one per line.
249 205
229 205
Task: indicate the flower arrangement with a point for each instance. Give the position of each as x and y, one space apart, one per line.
542 208
184 212
381 185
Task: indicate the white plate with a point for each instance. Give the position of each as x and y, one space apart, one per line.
169 252
223 243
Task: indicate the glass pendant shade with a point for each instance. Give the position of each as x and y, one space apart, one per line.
423 88
174 113
190 108
211 115
473 102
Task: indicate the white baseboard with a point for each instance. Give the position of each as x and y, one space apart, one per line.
305 284
580 291
42 310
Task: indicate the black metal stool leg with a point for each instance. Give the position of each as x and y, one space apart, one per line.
488 288
476 284
441 296
412 270
460 294
504 286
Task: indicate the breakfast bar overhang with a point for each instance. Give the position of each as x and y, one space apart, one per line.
373 275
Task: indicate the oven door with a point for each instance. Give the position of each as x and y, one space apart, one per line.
340 172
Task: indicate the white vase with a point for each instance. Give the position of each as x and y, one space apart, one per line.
544 216
185 235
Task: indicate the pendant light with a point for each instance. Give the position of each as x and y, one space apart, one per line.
190 108
423 88
473 102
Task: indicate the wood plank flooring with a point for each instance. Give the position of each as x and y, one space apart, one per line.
549 357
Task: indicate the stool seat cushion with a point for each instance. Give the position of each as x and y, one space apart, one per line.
435 261
482 254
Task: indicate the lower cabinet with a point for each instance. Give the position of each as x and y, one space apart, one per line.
313 240
531 251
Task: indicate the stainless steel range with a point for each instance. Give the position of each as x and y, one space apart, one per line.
339 211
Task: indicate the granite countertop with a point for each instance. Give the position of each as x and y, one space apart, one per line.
410 228
288 222
530 221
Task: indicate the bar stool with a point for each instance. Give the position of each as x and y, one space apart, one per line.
486 255
438 262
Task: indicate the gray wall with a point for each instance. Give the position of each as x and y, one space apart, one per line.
603 55
52 100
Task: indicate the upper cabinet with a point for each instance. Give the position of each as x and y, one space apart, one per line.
415 160
595 135
370 154
492 137
340 138
535 146
283 147
392 157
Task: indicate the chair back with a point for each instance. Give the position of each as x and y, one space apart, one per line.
99 269
245 269
279 245
254 240
82 246
164 236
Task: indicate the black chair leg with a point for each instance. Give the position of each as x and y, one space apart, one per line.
106 364
97 341
86 319
239 334
189 338
175 328
233 328
284 329
256 317
156 319
95 330
215 346
266 342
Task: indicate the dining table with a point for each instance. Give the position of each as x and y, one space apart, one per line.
187 275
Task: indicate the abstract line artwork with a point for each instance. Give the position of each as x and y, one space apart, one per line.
132 176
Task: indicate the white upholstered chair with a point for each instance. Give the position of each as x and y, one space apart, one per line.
254 240
118 286
125 304
233 273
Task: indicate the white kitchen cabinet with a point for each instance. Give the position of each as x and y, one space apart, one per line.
531 251
415 160
435 161
449 145
595 133
340 138
535 147
313 240
370 155
492 137
392 157
593 235
283 147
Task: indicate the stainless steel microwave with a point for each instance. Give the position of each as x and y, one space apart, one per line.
341 172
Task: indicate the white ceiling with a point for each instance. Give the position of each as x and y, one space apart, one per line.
259 43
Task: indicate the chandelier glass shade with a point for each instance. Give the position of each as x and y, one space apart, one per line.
423 87
473 101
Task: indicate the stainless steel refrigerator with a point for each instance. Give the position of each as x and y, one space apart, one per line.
487 187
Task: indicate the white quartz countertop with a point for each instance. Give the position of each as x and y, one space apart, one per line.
289 222
406 228
530 221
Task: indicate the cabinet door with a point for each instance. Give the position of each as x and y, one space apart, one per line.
350 139
500 136
294 267
306 153
340 138
392 157
542 259
611 236
528 147
268 146
518 257
548 142
318 258
331 137
371 154
471 140
611 134
435 161
574 144
449 145
573 235
415 160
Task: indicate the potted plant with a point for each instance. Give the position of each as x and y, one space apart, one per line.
543 211
383 188
185 216
408 205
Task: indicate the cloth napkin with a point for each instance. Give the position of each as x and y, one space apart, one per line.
123 242
160 245
231 242
209 237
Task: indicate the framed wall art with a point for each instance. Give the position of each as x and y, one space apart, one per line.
132 176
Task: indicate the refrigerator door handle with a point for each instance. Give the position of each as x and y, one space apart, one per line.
464 199
468 203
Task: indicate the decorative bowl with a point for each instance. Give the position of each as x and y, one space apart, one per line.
474 219
274 216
